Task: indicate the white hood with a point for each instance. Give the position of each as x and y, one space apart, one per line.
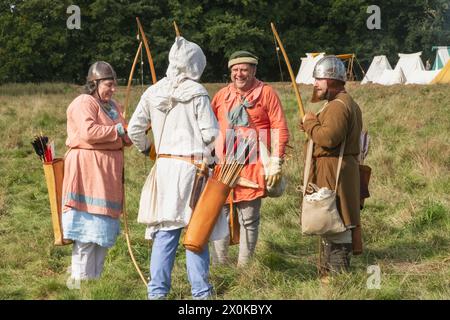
186 60
186 65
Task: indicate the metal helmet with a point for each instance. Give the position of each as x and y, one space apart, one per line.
330 67
101 70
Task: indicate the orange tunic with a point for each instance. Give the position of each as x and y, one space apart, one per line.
265 113
93 169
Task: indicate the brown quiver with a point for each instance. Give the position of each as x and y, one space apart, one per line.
54 175
357 246
364 177
205 215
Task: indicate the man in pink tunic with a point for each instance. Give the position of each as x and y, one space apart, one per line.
93 172
246 107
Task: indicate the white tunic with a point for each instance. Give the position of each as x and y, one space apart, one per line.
189 128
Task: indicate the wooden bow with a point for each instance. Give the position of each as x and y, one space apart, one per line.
127 97
147 49
130 80
150 63
288 64
177 32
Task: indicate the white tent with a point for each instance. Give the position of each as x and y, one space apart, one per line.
376 68
307 65
410 63
422 76
442 56
426 76
390 77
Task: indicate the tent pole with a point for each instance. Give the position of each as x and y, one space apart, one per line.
351 68
362 70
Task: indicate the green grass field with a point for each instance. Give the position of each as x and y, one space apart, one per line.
406 222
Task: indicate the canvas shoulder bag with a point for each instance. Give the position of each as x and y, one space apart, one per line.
148 204
319 211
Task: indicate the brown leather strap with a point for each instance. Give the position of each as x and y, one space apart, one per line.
309 153
309 156
191 159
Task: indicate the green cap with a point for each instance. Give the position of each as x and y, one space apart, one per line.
242 57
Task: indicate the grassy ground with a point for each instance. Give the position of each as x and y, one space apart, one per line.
406 222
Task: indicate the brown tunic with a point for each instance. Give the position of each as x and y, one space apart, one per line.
335 122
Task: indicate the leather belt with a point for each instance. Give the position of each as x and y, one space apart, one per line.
334 156
191 159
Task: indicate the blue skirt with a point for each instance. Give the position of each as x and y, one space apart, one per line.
86 227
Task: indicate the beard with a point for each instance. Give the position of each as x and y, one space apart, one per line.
316 96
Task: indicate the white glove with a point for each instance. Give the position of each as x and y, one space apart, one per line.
273 175
274 166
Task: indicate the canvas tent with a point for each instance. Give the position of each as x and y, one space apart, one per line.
390 77
410 64
422 76
376 68
418 75
444 75
305 73
442 57
427 76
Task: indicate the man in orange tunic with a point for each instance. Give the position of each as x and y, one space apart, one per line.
249 107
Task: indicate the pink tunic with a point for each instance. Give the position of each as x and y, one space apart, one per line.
93 168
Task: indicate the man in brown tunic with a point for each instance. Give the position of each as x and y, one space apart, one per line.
339 120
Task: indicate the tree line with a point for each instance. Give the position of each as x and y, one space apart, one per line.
36 45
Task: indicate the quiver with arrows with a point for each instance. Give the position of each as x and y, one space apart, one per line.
205 215
54 176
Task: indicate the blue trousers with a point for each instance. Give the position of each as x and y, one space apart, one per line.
162 260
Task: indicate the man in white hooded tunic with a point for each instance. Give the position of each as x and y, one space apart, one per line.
184 128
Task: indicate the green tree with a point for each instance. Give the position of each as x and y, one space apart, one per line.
35 44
